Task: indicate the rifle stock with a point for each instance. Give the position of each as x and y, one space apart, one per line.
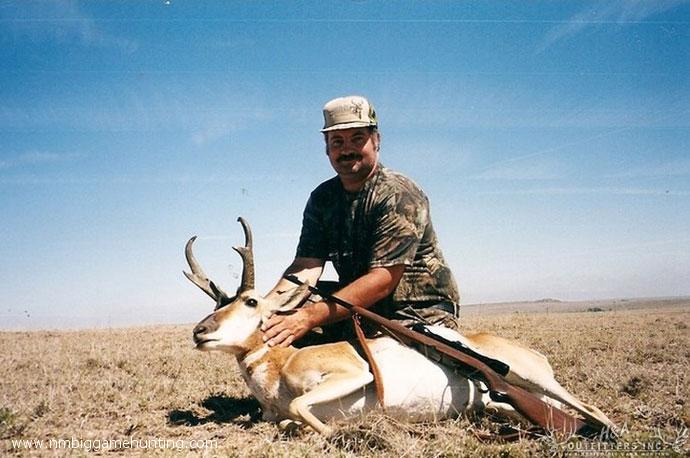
534 409
527 404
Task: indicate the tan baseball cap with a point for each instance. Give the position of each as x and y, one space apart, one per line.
348 112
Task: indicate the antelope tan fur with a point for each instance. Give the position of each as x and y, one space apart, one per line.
320 383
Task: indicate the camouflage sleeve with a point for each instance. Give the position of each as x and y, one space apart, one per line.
400 225
312 242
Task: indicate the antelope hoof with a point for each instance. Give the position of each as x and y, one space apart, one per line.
289 427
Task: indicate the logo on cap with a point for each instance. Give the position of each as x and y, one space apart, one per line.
357 108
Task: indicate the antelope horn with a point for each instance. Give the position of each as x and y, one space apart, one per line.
199 278
247 254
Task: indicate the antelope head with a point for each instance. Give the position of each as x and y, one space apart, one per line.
235 320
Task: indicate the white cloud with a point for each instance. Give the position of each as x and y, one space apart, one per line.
212 133
61 21
674 168
31 158
212 126
617 12
520 172
589 191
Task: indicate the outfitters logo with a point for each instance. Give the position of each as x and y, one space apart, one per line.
661 443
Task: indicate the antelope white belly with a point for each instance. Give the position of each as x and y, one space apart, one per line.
415 388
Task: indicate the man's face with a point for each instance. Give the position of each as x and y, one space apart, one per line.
353 152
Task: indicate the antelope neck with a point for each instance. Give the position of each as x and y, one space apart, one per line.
254 344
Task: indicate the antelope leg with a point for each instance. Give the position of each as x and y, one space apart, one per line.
334 387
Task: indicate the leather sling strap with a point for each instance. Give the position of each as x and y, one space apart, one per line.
378 383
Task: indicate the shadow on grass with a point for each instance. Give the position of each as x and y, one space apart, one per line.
244 412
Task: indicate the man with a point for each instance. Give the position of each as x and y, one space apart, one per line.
374 225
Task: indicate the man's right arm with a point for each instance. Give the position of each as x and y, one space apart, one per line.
306 269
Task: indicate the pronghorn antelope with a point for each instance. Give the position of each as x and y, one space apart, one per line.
318 383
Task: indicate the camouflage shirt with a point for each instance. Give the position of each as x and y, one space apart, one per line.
387 223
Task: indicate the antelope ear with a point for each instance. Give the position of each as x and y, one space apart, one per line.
287 301
223 299
295 297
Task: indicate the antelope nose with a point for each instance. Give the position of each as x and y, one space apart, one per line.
199 329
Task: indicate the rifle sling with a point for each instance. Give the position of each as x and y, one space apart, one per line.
378 383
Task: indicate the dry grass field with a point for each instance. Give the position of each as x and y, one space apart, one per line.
128 391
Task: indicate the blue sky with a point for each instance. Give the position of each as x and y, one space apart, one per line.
551 137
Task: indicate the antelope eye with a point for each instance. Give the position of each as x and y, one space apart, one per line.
251 302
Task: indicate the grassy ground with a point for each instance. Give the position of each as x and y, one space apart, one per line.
149 385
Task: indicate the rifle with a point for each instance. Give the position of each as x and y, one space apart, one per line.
546 416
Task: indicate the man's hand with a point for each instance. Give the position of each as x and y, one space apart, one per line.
283 328
286 327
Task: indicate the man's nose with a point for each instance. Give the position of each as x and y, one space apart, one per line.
349 146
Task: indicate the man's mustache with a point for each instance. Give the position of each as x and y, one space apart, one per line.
349 157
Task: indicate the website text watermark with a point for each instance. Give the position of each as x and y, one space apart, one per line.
130 443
